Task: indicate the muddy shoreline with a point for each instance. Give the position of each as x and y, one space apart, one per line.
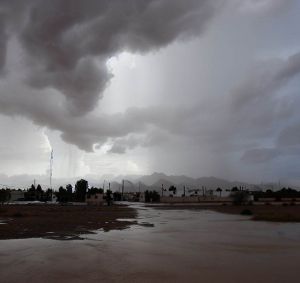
273 213
62 222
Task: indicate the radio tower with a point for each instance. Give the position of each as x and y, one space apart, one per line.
51 164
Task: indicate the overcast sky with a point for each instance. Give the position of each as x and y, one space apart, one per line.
195 87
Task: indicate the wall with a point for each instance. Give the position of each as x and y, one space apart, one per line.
194 199
96 199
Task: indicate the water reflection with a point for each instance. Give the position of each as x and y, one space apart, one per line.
163 246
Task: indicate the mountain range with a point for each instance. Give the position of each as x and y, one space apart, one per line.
156 180
136 183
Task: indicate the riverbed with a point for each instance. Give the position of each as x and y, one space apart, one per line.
163 246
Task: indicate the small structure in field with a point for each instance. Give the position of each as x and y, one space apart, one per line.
16 195
94 199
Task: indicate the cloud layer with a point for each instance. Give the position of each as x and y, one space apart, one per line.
66 43
215 88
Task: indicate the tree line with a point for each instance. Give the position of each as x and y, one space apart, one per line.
64 194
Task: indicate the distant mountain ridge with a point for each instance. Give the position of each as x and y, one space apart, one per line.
157 179
135 182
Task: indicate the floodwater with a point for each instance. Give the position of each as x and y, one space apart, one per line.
166 246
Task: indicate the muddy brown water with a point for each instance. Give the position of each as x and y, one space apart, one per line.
165 246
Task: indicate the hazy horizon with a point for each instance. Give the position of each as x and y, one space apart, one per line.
195 88
156 178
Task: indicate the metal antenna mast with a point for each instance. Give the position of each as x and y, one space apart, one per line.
51 164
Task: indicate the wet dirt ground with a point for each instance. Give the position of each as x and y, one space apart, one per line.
164 246
62 222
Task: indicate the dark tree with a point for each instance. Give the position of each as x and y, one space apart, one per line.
108 197
69 188
48 195
235 189
239 197
219 190
4 195
62 195
173 189
80 190
31 195
152 196
117 196
155 196
39 192
94 190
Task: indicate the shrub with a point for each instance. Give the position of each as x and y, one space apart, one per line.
246 212
18 214
239 197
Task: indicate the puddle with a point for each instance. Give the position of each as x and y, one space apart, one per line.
181 246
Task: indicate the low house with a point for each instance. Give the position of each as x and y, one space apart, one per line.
94 199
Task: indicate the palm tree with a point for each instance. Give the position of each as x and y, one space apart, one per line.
219 190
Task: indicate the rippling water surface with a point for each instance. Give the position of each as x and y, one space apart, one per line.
165 246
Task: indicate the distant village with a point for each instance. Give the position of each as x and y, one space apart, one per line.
82 194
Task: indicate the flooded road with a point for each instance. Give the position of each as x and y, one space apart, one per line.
165 246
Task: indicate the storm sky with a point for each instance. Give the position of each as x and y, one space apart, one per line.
195 87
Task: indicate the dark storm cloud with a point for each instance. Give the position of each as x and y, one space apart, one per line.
66 45
154 136
3 38
290 136
267 78
260 155
89 130
264 101
267 109
11 13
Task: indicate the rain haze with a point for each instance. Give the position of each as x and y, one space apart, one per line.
201 88
149 141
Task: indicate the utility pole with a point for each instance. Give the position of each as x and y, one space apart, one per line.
162 190
122 189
